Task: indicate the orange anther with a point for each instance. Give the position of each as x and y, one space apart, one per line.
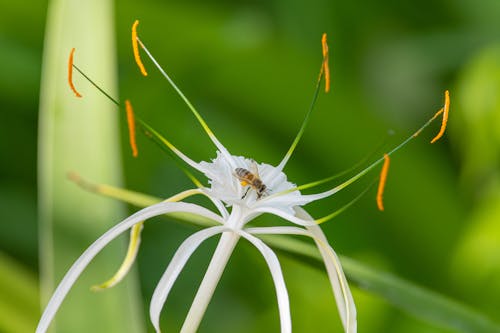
445 109
131 127
135 48
70 73
382 181
326 68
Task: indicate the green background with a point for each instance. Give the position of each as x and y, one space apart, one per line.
250 69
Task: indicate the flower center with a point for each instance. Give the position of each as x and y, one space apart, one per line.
248 184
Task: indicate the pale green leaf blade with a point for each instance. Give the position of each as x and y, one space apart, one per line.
81 135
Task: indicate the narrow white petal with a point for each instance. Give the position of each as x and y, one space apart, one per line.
285 199
278 212
318 196
174 268
279 282
217 203
343 296
82 262
285 230
207 287
132 251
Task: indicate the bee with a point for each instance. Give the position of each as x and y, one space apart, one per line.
252 180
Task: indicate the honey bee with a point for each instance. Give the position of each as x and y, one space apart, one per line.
252 180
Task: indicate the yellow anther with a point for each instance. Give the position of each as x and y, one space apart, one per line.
135 48
131 127
325 67
70 73
382 181
446 110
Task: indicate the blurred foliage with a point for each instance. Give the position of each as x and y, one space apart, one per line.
250 68
478 116
82 136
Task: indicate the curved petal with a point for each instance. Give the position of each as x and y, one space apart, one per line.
82 262
284 230
217 203
278 212
216 267
318 196
279 282
343 296
133 249
174 268
289 197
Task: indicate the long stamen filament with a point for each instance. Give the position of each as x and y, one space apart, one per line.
102 91
200 119
150 133
342 209
323 72
143 200
357 176
380 160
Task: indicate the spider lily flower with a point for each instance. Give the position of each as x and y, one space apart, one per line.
240 190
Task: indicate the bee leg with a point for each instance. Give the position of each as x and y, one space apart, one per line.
246 192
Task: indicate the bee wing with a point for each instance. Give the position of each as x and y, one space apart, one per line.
254 169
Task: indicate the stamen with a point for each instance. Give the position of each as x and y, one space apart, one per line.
131 127
381 184
325 67
323 71
437 114
200 119
152 134
318 196
75 177
445 109
70 73
135 48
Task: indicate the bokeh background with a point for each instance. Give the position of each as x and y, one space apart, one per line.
250 69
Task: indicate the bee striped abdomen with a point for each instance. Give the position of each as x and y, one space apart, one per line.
248 178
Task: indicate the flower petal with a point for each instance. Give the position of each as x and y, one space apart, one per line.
174 268
343 296
82 262
133 249
278 212
279 282
207 287
284 230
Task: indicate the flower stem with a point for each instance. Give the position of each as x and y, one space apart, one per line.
210 280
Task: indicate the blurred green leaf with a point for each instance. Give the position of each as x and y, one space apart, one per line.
19 304
80 135
476 135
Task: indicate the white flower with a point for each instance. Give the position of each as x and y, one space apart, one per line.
238 202
225 191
